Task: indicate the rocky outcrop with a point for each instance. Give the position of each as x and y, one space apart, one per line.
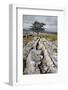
40 56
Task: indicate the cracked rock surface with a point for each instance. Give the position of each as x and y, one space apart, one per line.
40 57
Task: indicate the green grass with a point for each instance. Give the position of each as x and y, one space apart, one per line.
48 36
51 37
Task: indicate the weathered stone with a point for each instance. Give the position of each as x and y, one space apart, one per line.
40 56
33 59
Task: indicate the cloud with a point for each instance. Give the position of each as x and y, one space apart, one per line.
50 21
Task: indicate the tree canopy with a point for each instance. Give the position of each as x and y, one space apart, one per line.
37 26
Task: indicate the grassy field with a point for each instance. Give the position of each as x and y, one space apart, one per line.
48 36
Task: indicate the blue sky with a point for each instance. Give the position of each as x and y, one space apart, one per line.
50 21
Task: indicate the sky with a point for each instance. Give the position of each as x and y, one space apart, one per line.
50 21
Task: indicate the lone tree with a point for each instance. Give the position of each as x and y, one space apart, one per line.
37 27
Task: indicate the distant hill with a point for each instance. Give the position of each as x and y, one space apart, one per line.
29 30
